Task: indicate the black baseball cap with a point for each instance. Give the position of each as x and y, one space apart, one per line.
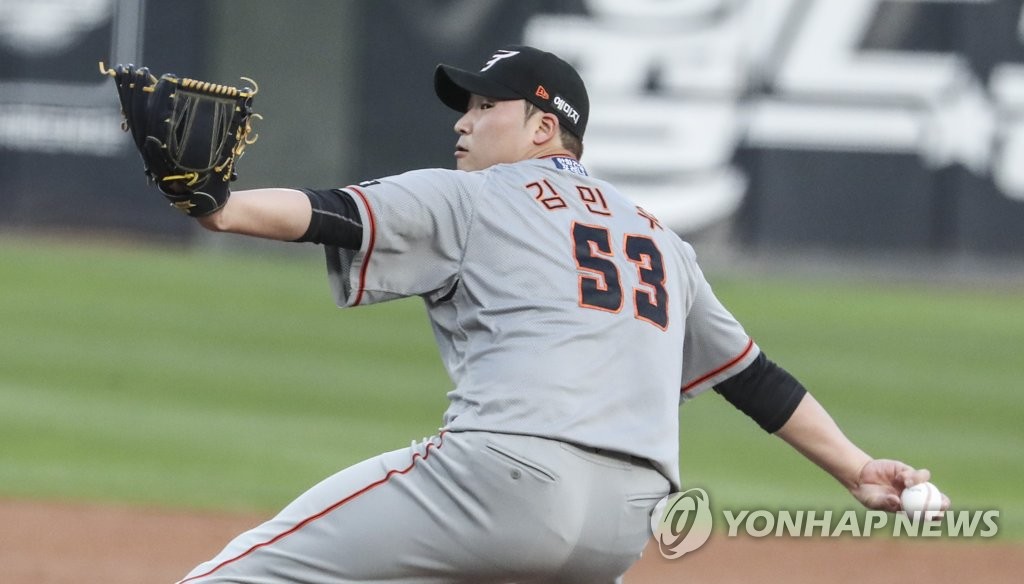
520 72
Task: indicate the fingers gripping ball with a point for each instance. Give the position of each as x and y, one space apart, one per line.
190 133
925 499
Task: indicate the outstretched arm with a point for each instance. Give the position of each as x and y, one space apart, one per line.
875 483
275 213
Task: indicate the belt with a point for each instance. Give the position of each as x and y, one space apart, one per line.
616 455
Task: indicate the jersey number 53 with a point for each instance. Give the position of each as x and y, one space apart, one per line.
600 283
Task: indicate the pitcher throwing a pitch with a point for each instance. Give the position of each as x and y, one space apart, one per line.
572 324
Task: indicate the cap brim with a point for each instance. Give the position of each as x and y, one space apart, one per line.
454 86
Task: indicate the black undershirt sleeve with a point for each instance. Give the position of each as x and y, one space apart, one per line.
335 219
765 392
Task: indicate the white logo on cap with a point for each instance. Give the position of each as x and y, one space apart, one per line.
501 54
567 109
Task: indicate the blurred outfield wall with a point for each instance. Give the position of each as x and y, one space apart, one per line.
865 125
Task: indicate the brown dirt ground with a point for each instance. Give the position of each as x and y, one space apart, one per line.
51 543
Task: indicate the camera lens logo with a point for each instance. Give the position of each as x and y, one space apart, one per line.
681 522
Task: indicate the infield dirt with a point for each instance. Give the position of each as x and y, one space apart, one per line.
56 543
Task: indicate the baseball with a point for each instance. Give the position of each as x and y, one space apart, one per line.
925 498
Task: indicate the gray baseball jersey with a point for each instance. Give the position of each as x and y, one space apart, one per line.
561 309
571 324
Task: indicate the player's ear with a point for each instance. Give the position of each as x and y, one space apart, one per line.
546 128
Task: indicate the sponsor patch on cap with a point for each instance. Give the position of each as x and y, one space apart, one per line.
542 93
567 109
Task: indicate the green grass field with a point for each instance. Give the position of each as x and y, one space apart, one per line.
228 381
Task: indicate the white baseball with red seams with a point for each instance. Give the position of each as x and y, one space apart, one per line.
923 497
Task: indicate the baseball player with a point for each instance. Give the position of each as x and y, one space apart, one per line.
572 324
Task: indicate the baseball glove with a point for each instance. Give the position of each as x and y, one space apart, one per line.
190 133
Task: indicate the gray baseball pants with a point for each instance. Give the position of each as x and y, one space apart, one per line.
459 507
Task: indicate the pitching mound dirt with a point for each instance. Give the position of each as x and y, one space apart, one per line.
51 543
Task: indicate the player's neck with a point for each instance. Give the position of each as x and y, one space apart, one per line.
549 151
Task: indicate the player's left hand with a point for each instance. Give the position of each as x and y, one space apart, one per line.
881 481
190 133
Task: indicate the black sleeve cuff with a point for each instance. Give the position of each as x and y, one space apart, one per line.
335 219
765 392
